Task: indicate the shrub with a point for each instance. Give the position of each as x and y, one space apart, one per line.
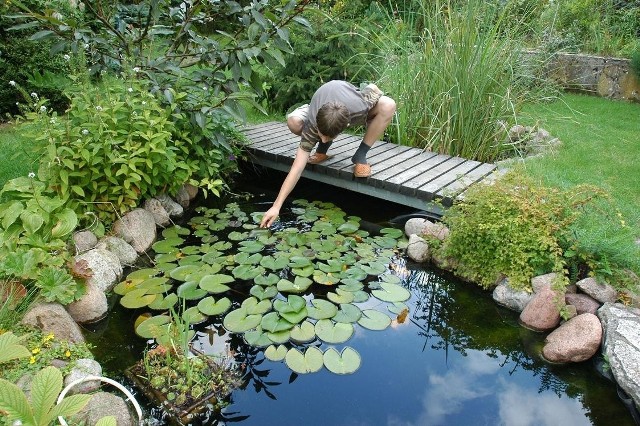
515 228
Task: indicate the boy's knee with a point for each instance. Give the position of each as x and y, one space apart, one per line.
295 125
388 106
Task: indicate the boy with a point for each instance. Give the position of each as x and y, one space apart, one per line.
333 107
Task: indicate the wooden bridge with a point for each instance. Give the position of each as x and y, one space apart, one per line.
404 175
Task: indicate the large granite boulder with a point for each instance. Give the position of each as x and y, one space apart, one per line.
583 303
126 254
602 292
542 313
418 249
53 318
622 346
104 404
138 228
576 340
105 267
83 368
507 296
91 307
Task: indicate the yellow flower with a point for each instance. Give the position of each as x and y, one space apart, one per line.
35 351
67 353
623 223
32 360
48 337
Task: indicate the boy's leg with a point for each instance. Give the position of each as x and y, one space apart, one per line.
295 119
377 121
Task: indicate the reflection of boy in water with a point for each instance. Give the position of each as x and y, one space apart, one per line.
335 106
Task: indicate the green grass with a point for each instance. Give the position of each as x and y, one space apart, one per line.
14 160
600 146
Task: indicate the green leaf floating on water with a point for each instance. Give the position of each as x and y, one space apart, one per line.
162 303
321 309
306 271
309 362
392 232
181 273
374 268
247 272
238 236
299 285
325 278
194 259
274 263
143 274
154 326
354 273
299 262
216 283
253 306
347 313
127 285
374 320
303 333
193 315
137 299
169 245
346 362
274 323
333 332
257 338
276 353
294 309
389 292
263 292
244 258
349 227
250 246
332 265
190 291
211 306
175 231
269 279
239 320
340 296
279 336
155 285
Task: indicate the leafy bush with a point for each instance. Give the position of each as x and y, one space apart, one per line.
514 228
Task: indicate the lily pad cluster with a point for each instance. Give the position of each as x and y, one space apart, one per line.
293 290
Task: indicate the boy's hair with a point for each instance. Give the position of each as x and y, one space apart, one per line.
332 118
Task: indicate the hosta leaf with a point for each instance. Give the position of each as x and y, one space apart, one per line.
239 321
333 332
346 362
309 362
374 320
216 283
321 309
303 333
299 285
275 353
389 292
347 313
263 292
67 220
211 306
31 221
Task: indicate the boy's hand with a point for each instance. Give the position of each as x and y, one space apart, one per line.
269 217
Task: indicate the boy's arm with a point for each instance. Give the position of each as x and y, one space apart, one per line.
289 183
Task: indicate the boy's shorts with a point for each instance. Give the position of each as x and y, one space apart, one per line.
371 94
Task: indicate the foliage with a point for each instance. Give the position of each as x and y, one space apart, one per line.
11 348
514 228
40 409
15 300
334 52
635 62
455 81
33 230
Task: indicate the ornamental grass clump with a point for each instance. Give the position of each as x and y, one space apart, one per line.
514 227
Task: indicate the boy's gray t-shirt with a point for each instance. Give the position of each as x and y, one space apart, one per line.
333 91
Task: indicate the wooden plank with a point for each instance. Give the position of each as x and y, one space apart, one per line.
451 191
410 187
344 167
395 182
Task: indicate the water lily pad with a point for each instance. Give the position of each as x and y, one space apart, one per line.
392 232
397 308
143 273
374 268
247 272
162 303
216 283
189 250
127 285
274 322
257 338
137 299
354 273
268 279
306 271
274 263
263 292
299 262
349 227
194 259
331 266
305 332
250 246
347 313
175 231
333 332
153 327
309 362
237 236
279 336
340 296
213 257
294 309
239 321
173 337
350 284
182 273
211 306
389 292
253 306
325 278
169 245
193 315
190 291
390 278
374 320
299 285
360 296
275 353
167 257
346 362
222 245
321 309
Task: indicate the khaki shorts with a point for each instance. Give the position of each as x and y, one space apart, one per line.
371 95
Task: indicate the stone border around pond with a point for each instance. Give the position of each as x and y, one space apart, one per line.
596 321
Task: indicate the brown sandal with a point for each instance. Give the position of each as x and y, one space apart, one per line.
362 170
318 158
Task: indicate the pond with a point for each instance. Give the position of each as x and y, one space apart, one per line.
456 358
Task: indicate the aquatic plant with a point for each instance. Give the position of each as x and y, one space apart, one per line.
305 281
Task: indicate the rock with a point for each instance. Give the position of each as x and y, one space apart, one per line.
603 293
174 209
505 295
84 367
191 190
182 197
622 346
543 311
53 318
436 230
138 228
91 307
570 311
84 240
105 267
517 132
414 226
583 303
418 249
103 404
543 281
160 215
122 249
576 340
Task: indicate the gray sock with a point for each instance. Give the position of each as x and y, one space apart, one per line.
322 148
360 157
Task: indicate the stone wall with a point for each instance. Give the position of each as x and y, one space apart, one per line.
606 77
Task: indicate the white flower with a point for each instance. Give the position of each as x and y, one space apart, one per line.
52 121
134 113
16 423
66 57
43 108
136 69
98 108
31 175
34 95
130 89
205 88
13 83
86 45
144 102
85 132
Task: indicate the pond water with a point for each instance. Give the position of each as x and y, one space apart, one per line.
457 358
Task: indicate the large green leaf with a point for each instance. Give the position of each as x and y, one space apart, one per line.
248 259
346 362
333 332
274 263
190 291
275 353
137 299
247 272
67 220
162 303
374 320
266 280
389 292
45 388
216 283
274 323
193 315
211 306
182 273
10 348
340 296
303 333
253 306
281 336
153 327
263 292
239 321
325 278
294 309
309 362
31 221
299 285
15 403
321 309
257 338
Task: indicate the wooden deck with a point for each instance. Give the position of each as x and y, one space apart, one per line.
408 176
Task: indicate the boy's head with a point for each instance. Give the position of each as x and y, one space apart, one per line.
332 118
